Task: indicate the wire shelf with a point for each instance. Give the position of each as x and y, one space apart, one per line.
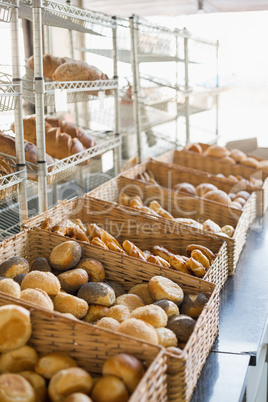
8 183
8 93
68 17
5 10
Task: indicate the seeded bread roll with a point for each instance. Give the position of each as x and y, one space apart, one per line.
19 278
142 291
171 309
18 360
13 267
183 326
94 269
65 256
10 287
65 303
15 327
95 312
166 337
139 329
41 280
108 323
97 293
37 296
151 314
163 288
130 301
193 305
40 264
77 397
109 388
14 387
50 363
118 289
71 281
119 312
38 383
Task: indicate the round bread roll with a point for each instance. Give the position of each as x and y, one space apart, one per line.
69 381
193 305
94 269
18 360
118 289
71 281
40 264
15 327
19 278
151 314
65 256
241 201
14 388
164 288
166 337
182 326
229 160
10 287
243 194
38 383
13 267
218 196
50 363
95 312
204 188
237 155
109 388
119 312
194 147
97 293
127 367
185 188
171 309
142 291
108 323
77 397
65 303
130 301
217 151
252 162
41 280
211 226
139 329
37 296
228 229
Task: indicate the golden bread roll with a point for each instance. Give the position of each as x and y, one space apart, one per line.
139 329
204 188
10 287
206 251
118 289
126 367
151 314
123 199
97 293
185 188
229 160
38 383
108 323
133 250
119 313
200 257
218 196
131 301
95 312
241 201
65 256
193 305
14 266
14 388
50 363
164 288
15 327
211 226
182 326
155 259
171 309
99 243
190 222
135 202
195 267
65 303
243 194
40 264
72 280
252 162
109 388
94 269
142 291
166 337
228 229
37 296
155 206
18 360
114 247
77 397
177 262
217 151
237 155
42 280
162 252
194 147
68 381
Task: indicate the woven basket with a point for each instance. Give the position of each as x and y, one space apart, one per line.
144 231
180 206
183 370
215 166
91 347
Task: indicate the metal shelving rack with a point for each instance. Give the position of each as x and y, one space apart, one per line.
65 16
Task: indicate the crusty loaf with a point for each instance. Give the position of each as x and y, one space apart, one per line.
50 64
78 71
61 145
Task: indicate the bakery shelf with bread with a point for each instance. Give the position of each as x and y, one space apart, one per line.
129 233
189 211
52 358
184 365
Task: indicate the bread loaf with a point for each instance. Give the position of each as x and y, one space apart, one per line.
61 145
50 64
78 71
97 293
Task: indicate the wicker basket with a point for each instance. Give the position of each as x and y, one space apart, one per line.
180 206
90 347
144 231
215 166
183 370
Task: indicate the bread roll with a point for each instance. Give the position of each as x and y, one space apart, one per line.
195 267
142 291
123 199
94 269
162 252
133 250
77 397
217 151
126 367
206 251
194 147
252 162
200 257
177 262
97 293
95 312
108 323
50 363
65 303
109 388
18 360
72 280
19 278
139 329
229 160
118 289
14 266
183 326
243 194
119 313
68 381
151 314
166 337
211 226
237 155
40 264
218 196
10 287
15 327
38 383
241 201
193 305
14 388
65 256
131 301
204 188
37 296
171 309
42 280
164 288
185 188
228 229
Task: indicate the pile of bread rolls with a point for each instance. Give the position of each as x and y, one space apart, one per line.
27 377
